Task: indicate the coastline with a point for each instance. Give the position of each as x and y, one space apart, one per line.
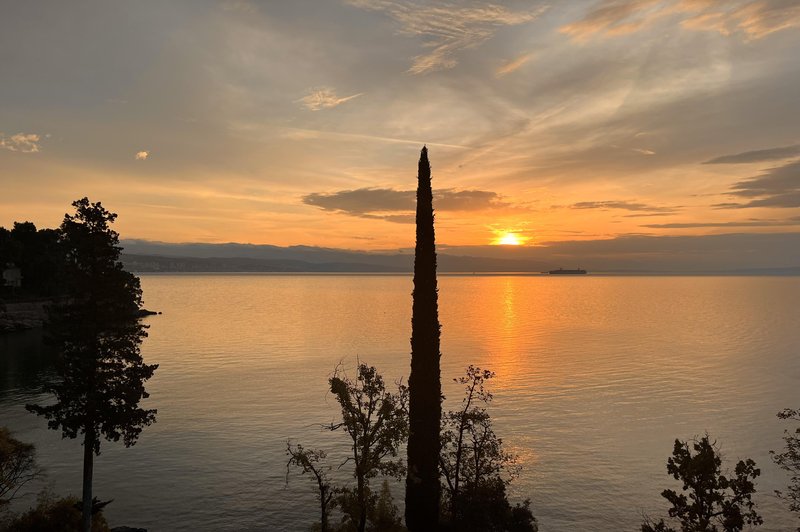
22 315
31 314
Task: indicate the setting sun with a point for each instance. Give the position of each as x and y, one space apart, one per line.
509 239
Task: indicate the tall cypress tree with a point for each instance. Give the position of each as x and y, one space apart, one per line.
98 336
424 383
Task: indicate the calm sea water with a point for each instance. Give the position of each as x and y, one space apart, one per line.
596 376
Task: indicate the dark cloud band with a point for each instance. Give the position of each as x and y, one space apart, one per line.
755 156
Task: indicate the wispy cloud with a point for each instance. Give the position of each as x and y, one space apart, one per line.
623 205
242 6
612 17
751 19
142 155
21 142
257 130
324 98
743 223
446 27
755 156
513 65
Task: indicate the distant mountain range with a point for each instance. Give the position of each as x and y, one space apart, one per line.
728 254
142 256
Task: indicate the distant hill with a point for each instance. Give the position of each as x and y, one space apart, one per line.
718 254
155 263
370 263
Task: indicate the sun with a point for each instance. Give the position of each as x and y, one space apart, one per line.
509 239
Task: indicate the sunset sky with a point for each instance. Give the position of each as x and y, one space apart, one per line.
300 122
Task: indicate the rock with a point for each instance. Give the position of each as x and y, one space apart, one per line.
17 316
127 529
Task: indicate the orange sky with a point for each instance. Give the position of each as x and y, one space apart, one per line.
301 122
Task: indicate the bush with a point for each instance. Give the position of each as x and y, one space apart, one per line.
711 500
55 515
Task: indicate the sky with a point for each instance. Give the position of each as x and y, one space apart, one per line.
300 122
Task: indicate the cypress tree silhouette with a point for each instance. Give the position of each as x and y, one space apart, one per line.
424 383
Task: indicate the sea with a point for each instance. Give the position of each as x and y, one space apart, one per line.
596 376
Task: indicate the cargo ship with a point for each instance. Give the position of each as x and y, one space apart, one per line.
562 271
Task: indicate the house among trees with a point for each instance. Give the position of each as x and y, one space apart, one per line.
12 276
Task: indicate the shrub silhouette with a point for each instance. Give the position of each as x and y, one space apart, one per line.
475 467
789 460
710 500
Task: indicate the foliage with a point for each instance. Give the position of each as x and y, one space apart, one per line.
711 501
475 468
789 460
423 491
384 516
312 461
377 424
38 254
17 466
55 515
98 337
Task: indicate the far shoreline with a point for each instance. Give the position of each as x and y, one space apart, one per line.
791 273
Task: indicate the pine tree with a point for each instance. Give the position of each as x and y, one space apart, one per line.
425 389
98 336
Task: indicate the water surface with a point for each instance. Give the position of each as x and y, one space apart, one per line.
596 376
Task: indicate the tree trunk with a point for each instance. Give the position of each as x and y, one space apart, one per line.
424 383
88 470
362 503
324 510
462 425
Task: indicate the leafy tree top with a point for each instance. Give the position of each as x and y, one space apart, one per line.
98 336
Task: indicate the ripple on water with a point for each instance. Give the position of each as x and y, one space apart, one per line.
595 378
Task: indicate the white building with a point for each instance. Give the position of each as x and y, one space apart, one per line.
12 276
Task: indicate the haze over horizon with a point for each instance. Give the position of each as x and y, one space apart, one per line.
615 128
743 253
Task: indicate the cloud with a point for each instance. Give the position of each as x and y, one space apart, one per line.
384 203
751 19
513 65
21 142
446 27
623 205
363 200
776 187
755 156
142 155
647 214
745 223
242 6
644 151
324 98
612 17
307 134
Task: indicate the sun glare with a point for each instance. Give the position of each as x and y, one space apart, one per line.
509 239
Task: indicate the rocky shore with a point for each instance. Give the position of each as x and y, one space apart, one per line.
21 315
